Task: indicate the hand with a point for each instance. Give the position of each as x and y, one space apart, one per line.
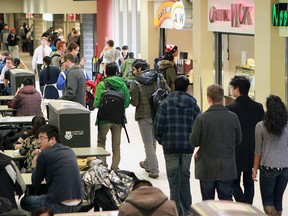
254 175
34 161
36 152
82 61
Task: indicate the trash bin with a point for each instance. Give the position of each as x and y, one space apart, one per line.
17 77
219 208
73 121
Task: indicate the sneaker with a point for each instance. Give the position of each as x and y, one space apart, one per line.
153 175
141 164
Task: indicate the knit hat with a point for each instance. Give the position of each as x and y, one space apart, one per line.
171 48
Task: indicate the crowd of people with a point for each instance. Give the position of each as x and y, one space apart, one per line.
233 142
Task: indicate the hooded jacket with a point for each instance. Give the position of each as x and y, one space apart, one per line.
168 69
27 102
147 201
173 122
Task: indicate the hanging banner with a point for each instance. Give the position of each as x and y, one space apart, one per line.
172 15
231 16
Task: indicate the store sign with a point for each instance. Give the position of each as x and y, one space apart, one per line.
280 14
171 15
231 16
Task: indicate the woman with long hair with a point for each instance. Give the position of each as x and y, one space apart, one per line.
271 155
48 79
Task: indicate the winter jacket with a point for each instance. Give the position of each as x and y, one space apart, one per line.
168 69
147 201
173 122
27 102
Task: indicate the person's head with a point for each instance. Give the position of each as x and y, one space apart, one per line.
41 212
181 83
131 55
37 122
240 85
13 30
73 48
48 135
118 48
61 46
44 41
168 56
275 118
110 44
47 60
6 26
24 24
125 50
171 48
9 62
138 66
111 69
141 183
16 62
215 94
28 81
68 61
5 54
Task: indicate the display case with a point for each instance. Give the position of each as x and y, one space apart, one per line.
249 73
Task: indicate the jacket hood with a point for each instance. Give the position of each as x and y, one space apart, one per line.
147 77
28 90
165 64
4 160
115 81
147 198
181 99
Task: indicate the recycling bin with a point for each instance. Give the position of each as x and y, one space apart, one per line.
73 121
17 77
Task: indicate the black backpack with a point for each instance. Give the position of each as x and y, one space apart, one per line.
112 105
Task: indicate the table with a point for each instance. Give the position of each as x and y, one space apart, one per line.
6 97
103 213
16 120
14 154
4 109
91 152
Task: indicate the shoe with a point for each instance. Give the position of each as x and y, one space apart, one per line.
153 175
141 164
270 210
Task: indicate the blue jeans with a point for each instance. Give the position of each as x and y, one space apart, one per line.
273 183
224 189
30 203
178 174
247 195
147 133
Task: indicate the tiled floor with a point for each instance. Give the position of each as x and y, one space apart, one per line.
133 152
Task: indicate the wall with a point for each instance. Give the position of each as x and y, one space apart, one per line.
11 6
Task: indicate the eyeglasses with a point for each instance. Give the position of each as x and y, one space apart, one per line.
40 139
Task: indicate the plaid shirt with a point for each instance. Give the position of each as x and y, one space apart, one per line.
173 122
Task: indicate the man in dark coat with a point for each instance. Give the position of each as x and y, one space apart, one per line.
249 113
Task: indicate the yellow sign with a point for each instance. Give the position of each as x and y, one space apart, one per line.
163 13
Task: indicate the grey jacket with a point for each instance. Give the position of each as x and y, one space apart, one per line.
75 86
217 132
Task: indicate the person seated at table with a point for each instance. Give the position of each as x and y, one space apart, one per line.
144 199
11 179
57 164
27 100
30 143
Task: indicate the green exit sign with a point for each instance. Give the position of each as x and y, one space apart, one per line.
280 14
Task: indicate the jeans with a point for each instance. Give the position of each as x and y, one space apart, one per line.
247 195
273 183
116 140
30 203
178 174
147 134
224 189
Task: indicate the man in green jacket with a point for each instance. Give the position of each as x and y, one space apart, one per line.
103 125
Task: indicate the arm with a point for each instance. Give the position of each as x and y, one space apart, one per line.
23 65
258 150
99 90
238 132
34 59
70 88
15 101
61 81
127 96
160 122
171 75
257 159
38 174
195 136
134 94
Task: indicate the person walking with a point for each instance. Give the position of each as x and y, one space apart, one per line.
12 40
271 155
173 124
249 113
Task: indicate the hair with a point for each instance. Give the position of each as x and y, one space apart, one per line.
59 44
40 211
1 143
10 58
118 48
131 55
216 93
168 56
28 81
140 183
37 122
110 43
242 83
140 63
70 57
125 47
181 83
72 46
112 69
275 118
5 53
51 131
47 60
